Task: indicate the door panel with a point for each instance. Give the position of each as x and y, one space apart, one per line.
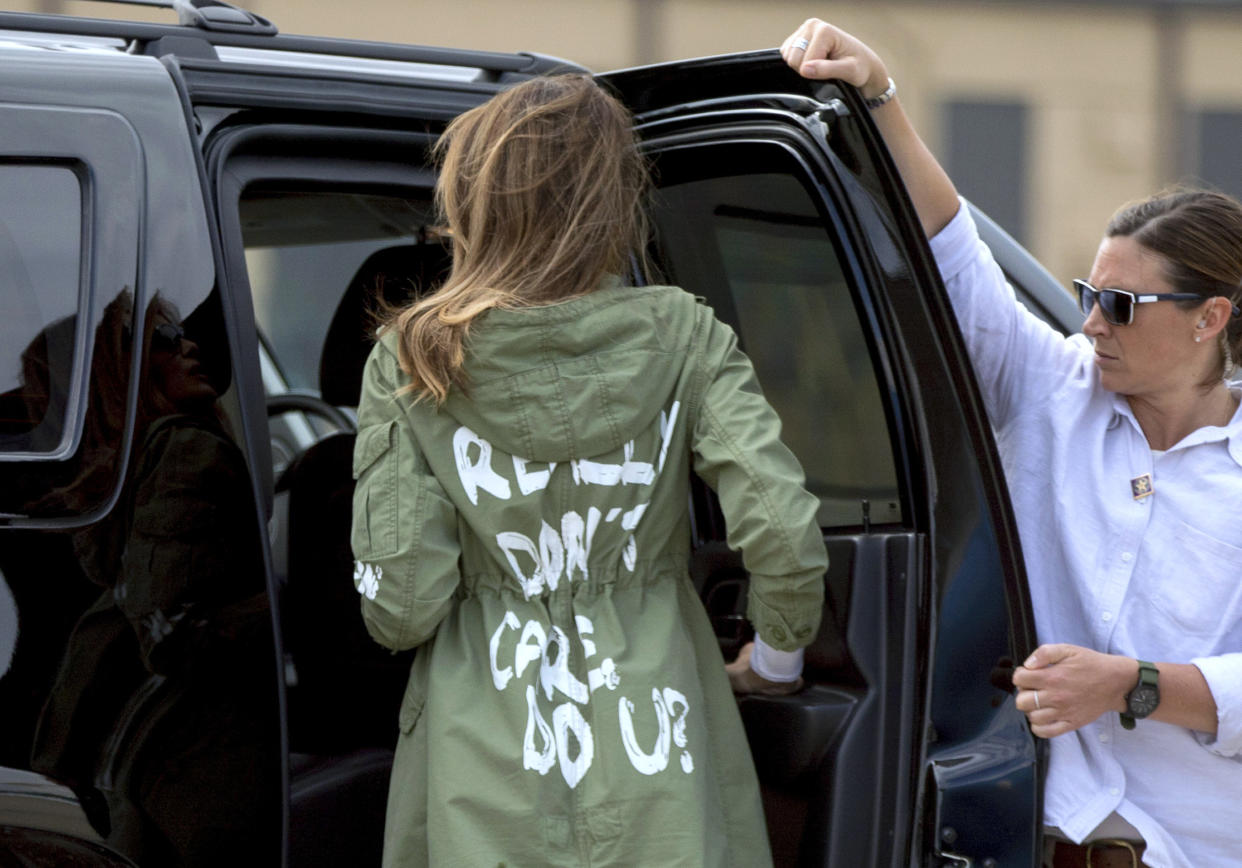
136 654
324 226
778 205
737 224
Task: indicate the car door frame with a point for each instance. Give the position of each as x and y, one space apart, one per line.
928 812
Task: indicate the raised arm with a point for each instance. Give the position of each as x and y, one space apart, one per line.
832 53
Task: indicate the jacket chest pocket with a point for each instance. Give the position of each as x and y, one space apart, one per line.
377 513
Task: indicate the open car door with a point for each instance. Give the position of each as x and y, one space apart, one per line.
778 204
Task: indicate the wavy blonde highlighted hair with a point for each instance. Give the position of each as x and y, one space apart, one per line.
541 189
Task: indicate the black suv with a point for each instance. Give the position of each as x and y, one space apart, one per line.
198 225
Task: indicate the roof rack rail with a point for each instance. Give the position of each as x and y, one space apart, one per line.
498 65
210 15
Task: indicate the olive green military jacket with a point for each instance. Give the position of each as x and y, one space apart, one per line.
568 704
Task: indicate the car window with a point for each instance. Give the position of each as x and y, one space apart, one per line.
302 250
755 246
40 237
322 261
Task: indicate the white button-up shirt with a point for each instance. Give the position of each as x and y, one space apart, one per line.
1156 578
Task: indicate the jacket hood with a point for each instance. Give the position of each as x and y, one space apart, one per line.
576 379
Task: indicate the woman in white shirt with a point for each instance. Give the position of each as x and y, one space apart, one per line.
1123 451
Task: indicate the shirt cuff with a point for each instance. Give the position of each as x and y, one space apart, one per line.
955 246
1224 677
782 666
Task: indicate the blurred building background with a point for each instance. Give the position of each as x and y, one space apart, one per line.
1048 113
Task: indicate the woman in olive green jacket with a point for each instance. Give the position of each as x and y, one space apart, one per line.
526 438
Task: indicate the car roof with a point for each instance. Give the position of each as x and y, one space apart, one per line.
211 29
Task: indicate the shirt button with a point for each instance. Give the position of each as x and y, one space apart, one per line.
1127 557
1106 616
1114 791
1104 738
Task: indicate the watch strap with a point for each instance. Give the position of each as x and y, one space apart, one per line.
1149 676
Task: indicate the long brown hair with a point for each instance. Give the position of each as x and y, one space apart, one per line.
1198 234
541 190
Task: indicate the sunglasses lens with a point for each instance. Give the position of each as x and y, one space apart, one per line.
1086 297
167 337
1115 306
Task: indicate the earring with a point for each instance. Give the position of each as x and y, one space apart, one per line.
1198 339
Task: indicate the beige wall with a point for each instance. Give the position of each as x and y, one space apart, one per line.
1102 117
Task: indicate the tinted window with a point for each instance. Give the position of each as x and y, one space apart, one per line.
40 237
755 246
302 250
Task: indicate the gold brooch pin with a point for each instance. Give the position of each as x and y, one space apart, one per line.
1140 486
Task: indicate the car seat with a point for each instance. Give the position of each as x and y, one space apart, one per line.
344 689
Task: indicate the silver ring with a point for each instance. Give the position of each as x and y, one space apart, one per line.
1036 692
801 44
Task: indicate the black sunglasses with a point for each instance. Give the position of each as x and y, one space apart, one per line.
167 338
1117 305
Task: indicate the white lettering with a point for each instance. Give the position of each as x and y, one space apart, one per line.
528 652
630 520
555 674
588 472
628 472
501 677
666 431
533 757
635 472
530 481
367 579
477 474
605 676
585 628
673 699
567 720
630 553
577 538
514 544
551 555
657 760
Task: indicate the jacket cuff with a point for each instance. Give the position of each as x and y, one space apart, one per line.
1224 677
785 610
773 665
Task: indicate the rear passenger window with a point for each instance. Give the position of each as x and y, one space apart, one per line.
40 372
754 245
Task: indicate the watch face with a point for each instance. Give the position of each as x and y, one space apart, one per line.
1143 700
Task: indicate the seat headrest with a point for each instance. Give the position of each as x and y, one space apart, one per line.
394 274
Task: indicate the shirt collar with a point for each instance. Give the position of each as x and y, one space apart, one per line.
1231 432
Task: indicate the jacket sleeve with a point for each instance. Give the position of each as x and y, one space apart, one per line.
404 532
770 515
1019 360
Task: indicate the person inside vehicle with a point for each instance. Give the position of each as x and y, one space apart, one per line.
1122 448
526 438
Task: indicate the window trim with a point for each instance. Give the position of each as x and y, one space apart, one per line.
103 150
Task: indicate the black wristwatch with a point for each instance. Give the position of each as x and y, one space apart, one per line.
1143 699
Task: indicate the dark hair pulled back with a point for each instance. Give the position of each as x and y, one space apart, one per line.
1198 234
